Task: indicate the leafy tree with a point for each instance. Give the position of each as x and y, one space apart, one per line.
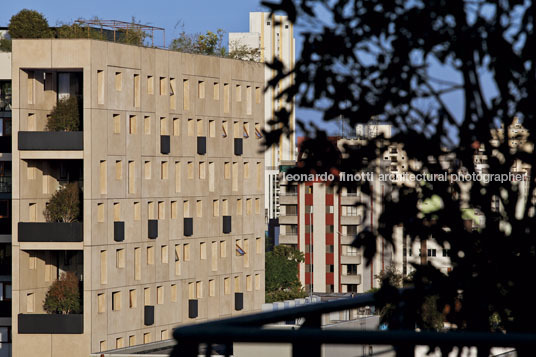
63 296
65 116
64 205
447 75
430 318
282 281
132 36
204 44
77 31
26 24
5 44
244 52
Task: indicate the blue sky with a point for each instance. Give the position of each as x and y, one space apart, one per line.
178 15
175 16
196 15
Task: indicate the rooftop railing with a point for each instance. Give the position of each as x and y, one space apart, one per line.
308 340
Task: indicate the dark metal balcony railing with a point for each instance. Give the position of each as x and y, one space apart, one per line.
51 140
51 232
5 144
309 338
51 323
5 225
5 308
5 184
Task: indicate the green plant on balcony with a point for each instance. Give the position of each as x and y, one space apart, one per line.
63 296
64 205
65 116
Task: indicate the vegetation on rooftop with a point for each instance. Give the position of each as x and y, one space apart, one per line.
211 44
26 24
32 24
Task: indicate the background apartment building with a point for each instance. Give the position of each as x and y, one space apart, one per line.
323 222
172 183
274 37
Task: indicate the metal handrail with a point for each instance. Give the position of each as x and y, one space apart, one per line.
308 339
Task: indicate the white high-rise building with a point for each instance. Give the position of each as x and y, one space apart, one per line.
274 37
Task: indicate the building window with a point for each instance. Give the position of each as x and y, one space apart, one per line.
101 303
116 301
212 287
132 298
147 125
150 255
163 86
159 295
120 258
201 89
118 81
164 254
216 91
173 293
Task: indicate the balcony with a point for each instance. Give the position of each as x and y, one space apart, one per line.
201 145
351 279
288 199
288 239
349 199
188 226
5 308
5 268
239 301
148 315
165 144
193 308
347 239
51 232
226 224
5 183
351 220
288 219
51 324
51 140
119 231
238 146
5 225
354 259
5 144
152 229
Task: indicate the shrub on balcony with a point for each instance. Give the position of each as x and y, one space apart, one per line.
65 116
64 205
63 296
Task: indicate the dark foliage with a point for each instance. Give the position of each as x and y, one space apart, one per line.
63 296
25 24
65 116
64 205
282 281
397 62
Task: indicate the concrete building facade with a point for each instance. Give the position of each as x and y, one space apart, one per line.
274 37
172 229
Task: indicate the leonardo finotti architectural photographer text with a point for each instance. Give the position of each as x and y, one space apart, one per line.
407 176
